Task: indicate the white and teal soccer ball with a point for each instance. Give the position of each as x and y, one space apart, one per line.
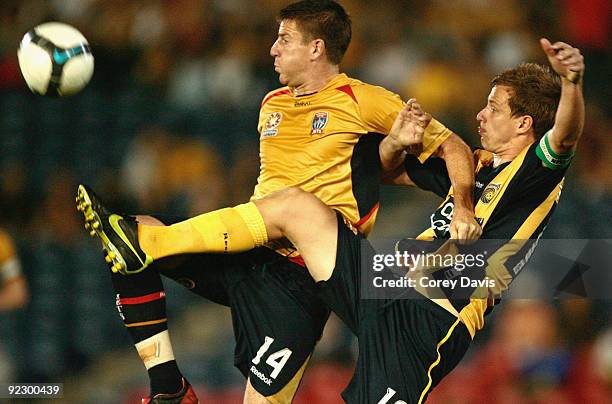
55 59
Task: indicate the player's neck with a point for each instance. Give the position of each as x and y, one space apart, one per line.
514 149
506 155
317 79
499 159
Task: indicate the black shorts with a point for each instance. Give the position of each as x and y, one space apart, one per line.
276 314
406 346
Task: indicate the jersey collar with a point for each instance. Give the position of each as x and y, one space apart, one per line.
333 83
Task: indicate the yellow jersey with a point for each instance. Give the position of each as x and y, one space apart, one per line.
10 267
318 142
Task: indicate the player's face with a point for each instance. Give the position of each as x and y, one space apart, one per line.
497 127
291 54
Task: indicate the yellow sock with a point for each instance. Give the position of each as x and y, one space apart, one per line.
228 230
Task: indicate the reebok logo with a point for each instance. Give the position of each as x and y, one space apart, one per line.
260 375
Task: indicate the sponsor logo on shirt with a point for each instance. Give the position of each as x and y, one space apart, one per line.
271 126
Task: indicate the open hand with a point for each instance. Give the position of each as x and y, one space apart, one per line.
410 124
564 59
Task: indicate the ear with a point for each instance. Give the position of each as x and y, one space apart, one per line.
317 48
524 124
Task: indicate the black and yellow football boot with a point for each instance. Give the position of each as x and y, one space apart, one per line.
118 234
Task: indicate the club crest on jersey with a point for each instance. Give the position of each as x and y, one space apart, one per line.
318 123
271 125
489 193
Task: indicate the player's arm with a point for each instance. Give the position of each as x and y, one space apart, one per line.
398 176
384 112
568 63
408 130
460 166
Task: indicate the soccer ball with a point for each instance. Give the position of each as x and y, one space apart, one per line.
55 59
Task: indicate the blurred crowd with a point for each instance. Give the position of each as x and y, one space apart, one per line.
168 125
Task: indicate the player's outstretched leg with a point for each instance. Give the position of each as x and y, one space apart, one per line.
291 213
132 246
118 233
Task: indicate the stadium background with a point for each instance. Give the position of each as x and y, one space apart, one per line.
168 124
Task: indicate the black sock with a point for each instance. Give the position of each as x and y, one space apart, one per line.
142 306
165 378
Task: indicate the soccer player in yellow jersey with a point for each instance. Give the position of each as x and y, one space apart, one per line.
13 290
13 287
321 133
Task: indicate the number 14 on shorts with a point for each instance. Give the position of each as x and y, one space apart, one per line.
387 397
277 359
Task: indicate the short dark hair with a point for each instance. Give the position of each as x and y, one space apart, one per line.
324 19
535 91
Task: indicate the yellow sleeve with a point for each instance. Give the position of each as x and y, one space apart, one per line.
7 248
10 267
435 135
379 108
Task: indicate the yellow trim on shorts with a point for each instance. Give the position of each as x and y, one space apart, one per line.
438 359
286 394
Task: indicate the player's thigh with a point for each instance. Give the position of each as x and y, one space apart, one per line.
252 396
278 320
207 275
342 290
307 222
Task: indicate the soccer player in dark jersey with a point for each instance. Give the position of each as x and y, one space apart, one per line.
316 133
530 128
